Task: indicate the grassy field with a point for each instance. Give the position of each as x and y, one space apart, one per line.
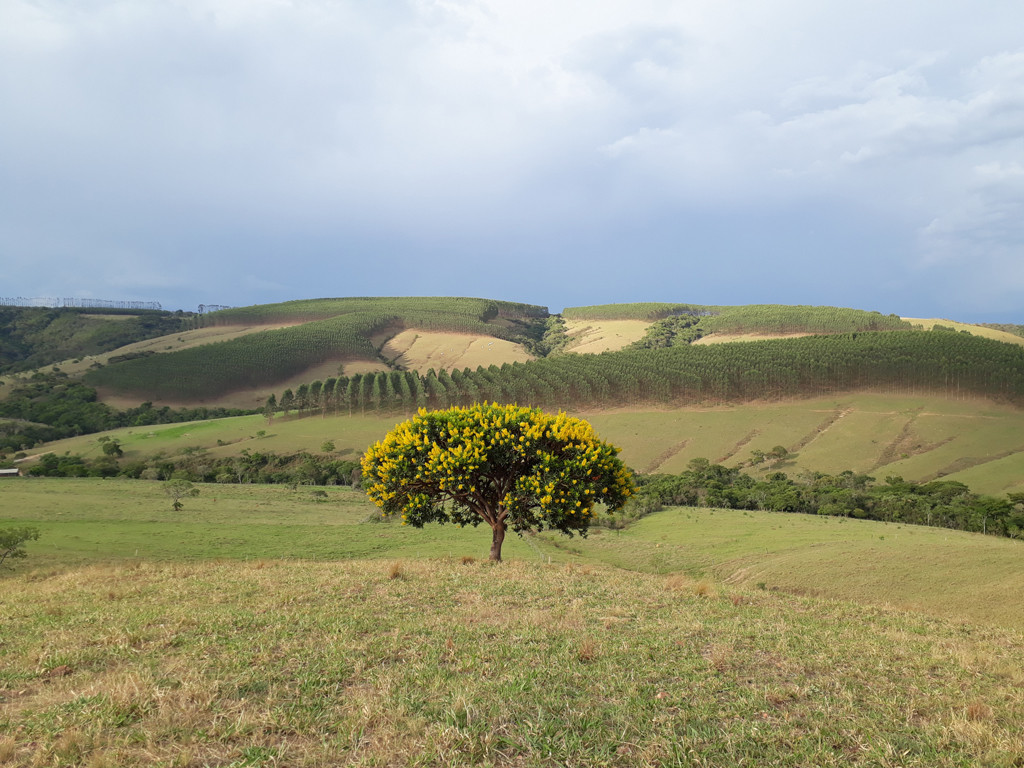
937 571
261 627
943 573
445 663
920 438
395 651
87 521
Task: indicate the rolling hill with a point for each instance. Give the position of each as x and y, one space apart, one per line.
212 635
839 388
238 357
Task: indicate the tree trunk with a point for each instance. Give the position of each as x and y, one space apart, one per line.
496 541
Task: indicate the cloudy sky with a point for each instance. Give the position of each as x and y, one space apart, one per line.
866 154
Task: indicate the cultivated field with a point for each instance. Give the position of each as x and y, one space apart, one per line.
171 343
596 336
260 627
420 350
256 397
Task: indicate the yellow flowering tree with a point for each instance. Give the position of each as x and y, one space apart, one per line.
506 465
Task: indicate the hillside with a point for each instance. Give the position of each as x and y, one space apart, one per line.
952 575
137 635
309 338
921 438
391 356
238 357
32 337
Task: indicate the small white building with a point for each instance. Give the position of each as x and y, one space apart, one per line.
14 472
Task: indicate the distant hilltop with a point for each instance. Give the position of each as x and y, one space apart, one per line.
54 303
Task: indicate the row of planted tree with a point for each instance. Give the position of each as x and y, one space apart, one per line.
267 356
898 362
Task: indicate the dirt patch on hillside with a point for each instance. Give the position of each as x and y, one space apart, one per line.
596 336
742 443
907 444
418 350
722 338
975 330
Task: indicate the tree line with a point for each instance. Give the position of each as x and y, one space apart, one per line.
898 362
34 337
307 310
683 328
197 466
57 303
51 406
939 503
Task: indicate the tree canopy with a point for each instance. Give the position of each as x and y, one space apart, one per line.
12 541
508 466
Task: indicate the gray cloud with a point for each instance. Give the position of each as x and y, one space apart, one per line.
207 150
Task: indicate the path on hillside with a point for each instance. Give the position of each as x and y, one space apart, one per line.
829 422
664 456
740 445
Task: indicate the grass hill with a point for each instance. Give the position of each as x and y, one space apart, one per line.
267 626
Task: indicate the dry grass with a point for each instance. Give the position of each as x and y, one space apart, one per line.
8 748
703 588
420 350
397 570
974 330
596 336
677 582
305 664
724 338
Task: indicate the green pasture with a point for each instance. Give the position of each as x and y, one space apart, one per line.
920 438
957 450
271 626
932 570
666 441
94 520
937 571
